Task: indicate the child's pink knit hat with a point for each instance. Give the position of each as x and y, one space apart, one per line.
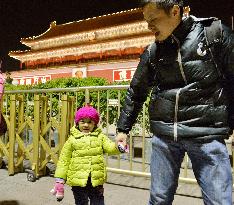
87 112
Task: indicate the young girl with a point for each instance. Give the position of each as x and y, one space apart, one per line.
81 163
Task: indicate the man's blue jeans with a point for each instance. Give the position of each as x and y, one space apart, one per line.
211 167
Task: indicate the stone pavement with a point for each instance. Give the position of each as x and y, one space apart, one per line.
16 190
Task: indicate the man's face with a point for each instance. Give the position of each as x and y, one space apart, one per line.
159 22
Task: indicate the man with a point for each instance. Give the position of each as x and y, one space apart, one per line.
191 108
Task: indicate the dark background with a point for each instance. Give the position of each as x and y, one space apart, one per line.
26 18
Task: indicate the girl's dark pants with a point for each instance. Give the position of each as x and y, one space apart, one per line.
83 195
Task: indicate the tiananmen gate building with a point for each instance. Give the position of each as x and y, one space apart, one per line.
106 46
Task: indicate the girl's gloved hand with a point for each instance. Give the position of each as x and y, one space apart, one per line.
58 189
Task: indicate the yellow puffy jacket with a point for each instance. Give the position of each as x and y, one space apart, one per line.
83 156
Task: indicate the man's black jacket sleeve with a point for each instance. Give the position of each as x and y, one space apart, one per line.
136 94
228 63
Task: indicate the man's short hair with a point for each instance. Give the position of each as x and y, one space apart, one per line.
166 5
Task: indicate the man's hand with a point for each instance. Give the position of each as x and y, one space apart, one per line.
121 138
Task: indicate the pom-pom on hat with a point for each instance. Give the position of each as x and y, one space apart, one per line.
87 112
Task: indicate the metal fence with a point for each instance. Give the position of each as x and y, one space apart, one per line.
39 121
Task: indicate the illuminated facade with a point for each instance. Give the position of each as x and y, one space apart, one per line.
105 46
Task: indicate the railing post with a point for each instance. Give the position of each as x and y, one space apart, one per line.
11 166
64 122
36 135
71 109
87 100
44 122
20 123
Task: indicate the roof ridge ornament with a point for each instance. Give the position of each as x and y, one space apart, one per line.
52 24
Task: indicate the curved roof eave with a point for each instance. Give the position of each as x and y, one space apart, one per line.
88 24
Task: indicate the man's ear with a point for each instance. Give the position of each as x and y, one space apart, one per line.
175 10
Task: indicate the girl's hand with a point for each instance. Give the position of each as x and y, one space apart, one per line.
58 190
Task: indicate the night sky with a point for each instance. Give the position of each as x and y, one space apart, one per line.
25 18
